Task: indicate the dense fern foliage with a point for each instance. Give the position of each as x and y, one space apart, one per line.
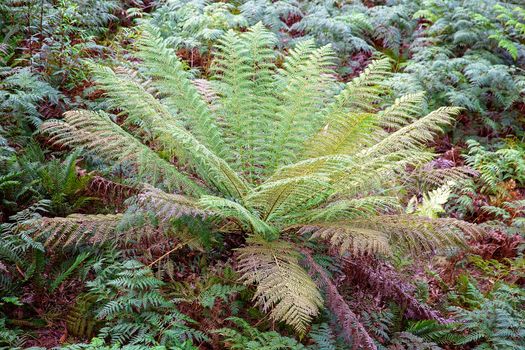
255 174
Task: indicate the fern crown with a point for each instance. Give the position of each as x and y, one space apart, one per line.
277 148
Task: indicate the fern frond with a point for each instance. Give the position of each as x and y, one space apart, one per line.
173 82
416 134
306 81
378 233
142 107
77 229
404 110
349 238
279 198
105 139
348 118
166 206
63 275
229 209
283 287
244 67
348 209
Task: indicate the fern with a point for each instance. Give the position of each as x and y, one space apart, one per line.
218 291
9 338
280 152
495 167
80 319
323 337
495 321
250 338
283 287
67 273
458 62
77 229
134 309
20 93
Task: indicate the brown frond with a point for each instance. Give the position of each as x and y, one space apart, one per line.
110 190
354 331
381 279
375 234
77 228
347 238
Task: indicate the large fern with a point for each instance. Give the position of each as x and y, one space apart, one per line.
279 153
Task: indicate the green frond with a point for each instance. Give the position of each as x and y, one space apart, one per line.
306 81
168 206
344 135
436 177
228 209
250 338
276 199
325 166
173 83
67 272
142 107
212 168
348 118
347 209
283 287
100 136
405 110
218 291
244 68
415 134
369 174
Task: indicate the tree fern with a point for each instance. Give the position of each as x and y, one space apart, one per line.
281 152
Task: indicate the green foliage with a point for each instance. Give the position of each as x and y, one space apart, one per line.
99 344
195 25
17 248
432 331
456 62
218 291
392 331
348 27
60 182
500 270
64 32
496 167
21 91
409 341
323 338
80 320
492 321
30 177
135 311
253 159
9 338
432 203
250 338
513 21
